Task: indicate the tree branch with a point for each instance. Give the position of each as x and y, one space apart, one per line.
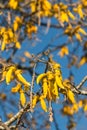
15 117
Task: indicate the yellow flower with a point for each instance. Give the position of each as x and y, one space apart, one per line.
71 96
21 78
17 23
22 97
17 44
9 74
64 51
64 17
13 4
35 100
16 88
43 104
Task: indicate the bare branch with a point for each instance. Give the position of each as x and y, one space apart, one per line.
77 88
19 114
3 126
82 82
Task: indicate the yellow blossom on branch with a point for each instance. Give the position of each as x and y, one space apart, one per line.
22 97
16 88
13 4
63 51
53 85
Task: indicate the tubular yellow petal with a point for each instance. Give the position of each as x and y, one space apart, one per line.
80 12
78 36
34 100
71 15
40 77
67 110
64 17
59 82
85 108
82 31
22 98
16 88
21 78
43 104
44 87
70 96
46 5
50 75
3 46
9 74
49 94
75 107
13 4
15 26
55 89
18 45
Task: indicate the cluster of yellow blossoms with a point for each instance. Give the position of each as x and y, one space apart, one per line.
45 8
70 110
30 29
7 36
17 23
60 11
70 31
52 85
14 3
12 73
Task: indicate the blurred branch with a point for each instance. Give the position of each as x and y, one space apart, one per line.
3 126
15 117
77 88
82 82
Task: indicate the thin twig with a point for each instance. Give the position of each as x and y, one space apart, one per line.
82 82
20 113
32 85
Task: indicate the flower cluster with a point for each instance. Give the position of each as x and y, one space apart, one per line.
52 85
8 37
12 73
